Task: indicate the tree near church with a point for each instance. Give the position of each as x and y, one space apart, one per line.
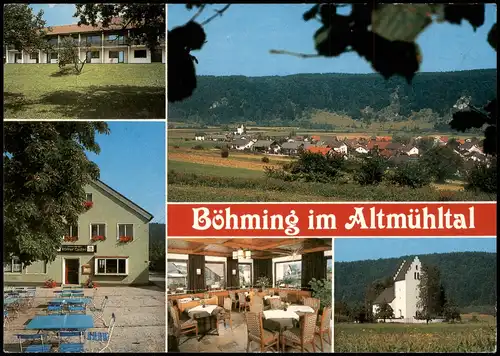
442 162
385 312
431 296
23 29
45 172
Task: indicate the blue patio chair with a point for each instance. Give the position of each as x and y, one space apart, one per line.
76 308
71 347
36 348
103 338
65 294
77 295
54 309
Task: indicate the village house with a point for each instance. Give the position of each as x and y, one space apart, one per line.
109 245
266 146
109 45
410 150
361 149
241 144
240 130
469 147
218 137
292 148
338 146
325 151
403 295
199 136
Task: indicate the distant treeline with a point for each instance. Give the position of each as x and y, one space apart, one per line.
289 100
469 278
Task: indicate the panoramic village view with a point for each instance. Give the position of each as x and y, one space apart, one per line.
84 244
415 295
271 130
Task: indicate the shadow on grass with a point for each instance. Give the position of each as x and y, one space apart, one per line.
64 72
106 103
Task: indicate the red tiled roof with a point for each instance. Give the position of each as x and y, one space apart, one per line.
381 144
384 138
116 24
443 139
315 138
316 149
385 153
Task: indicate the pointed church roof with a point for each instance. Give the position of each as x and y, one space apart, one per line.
387 296
405 266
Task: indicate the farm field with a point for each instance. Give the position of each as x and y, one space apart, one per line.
440 337
101 91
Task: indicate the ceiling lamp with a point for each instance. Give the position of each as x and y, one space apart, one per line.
241 254
248 254
235 255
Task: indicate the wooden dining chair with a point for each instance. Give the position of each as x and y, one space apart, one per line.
225 315
256 332
257 300
242 301
182 328
304 335
283 295
234 301
313 303
256 308
324 326
275 303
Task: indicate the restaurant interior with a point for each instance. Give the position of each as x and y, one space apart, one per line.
249 294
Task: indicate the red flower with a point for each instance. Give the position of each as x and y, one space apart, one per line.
88 204
125 238
70 238
98 238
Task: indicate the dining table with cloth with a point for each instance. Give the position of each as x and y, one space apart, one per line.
206 317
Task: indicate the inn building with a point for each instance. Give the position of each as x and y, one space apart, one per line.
109 245
108 45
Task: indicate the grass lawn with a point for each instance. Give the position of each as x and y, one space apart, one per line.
439 337
101 91
213 171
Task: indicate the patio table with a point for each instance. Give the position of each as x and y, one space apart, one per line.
61 322
71 301
300 309
207 319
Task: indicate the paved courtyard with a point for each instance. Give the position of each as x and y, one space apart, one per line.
139 312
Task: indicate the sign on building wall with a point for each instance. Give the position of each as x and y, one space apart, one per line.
78 248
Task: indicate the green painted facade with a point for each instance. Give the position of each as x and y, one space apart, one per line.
110 210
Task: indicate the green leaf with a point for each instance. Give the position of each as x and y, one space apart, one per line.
490 140
311 13
467 119
492 37
473 13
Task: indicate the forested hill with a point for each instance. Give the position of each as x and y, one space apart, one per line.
469 277
289 100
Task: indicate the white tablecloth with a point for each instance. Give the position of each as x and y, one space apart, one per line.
280 314
273 297
208 308
300 308
185 300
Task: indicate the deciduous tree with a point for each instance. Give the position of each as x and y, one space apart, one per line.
45 172
430 293
22 28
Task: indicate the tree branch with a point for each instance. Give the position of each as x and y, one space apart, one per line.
217 13
295 54
198 13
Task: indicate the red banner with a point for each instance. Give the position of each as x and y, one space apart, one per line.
332 219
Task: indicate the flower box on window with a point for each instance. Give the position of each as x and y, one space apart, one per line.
98 238
70 238
50 283
125 238
88 204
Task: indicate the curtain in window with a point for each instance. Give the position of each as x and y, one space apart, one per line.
196 283
313 266
233 281
262 268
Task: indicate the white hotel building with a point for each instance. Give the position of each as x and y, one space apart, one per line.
107 45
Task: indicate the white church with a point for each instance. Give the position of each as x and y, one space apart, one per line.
403 295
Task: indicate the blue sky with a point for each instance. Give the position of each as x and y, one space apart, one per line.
240 40
358 249
132 161
57 14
